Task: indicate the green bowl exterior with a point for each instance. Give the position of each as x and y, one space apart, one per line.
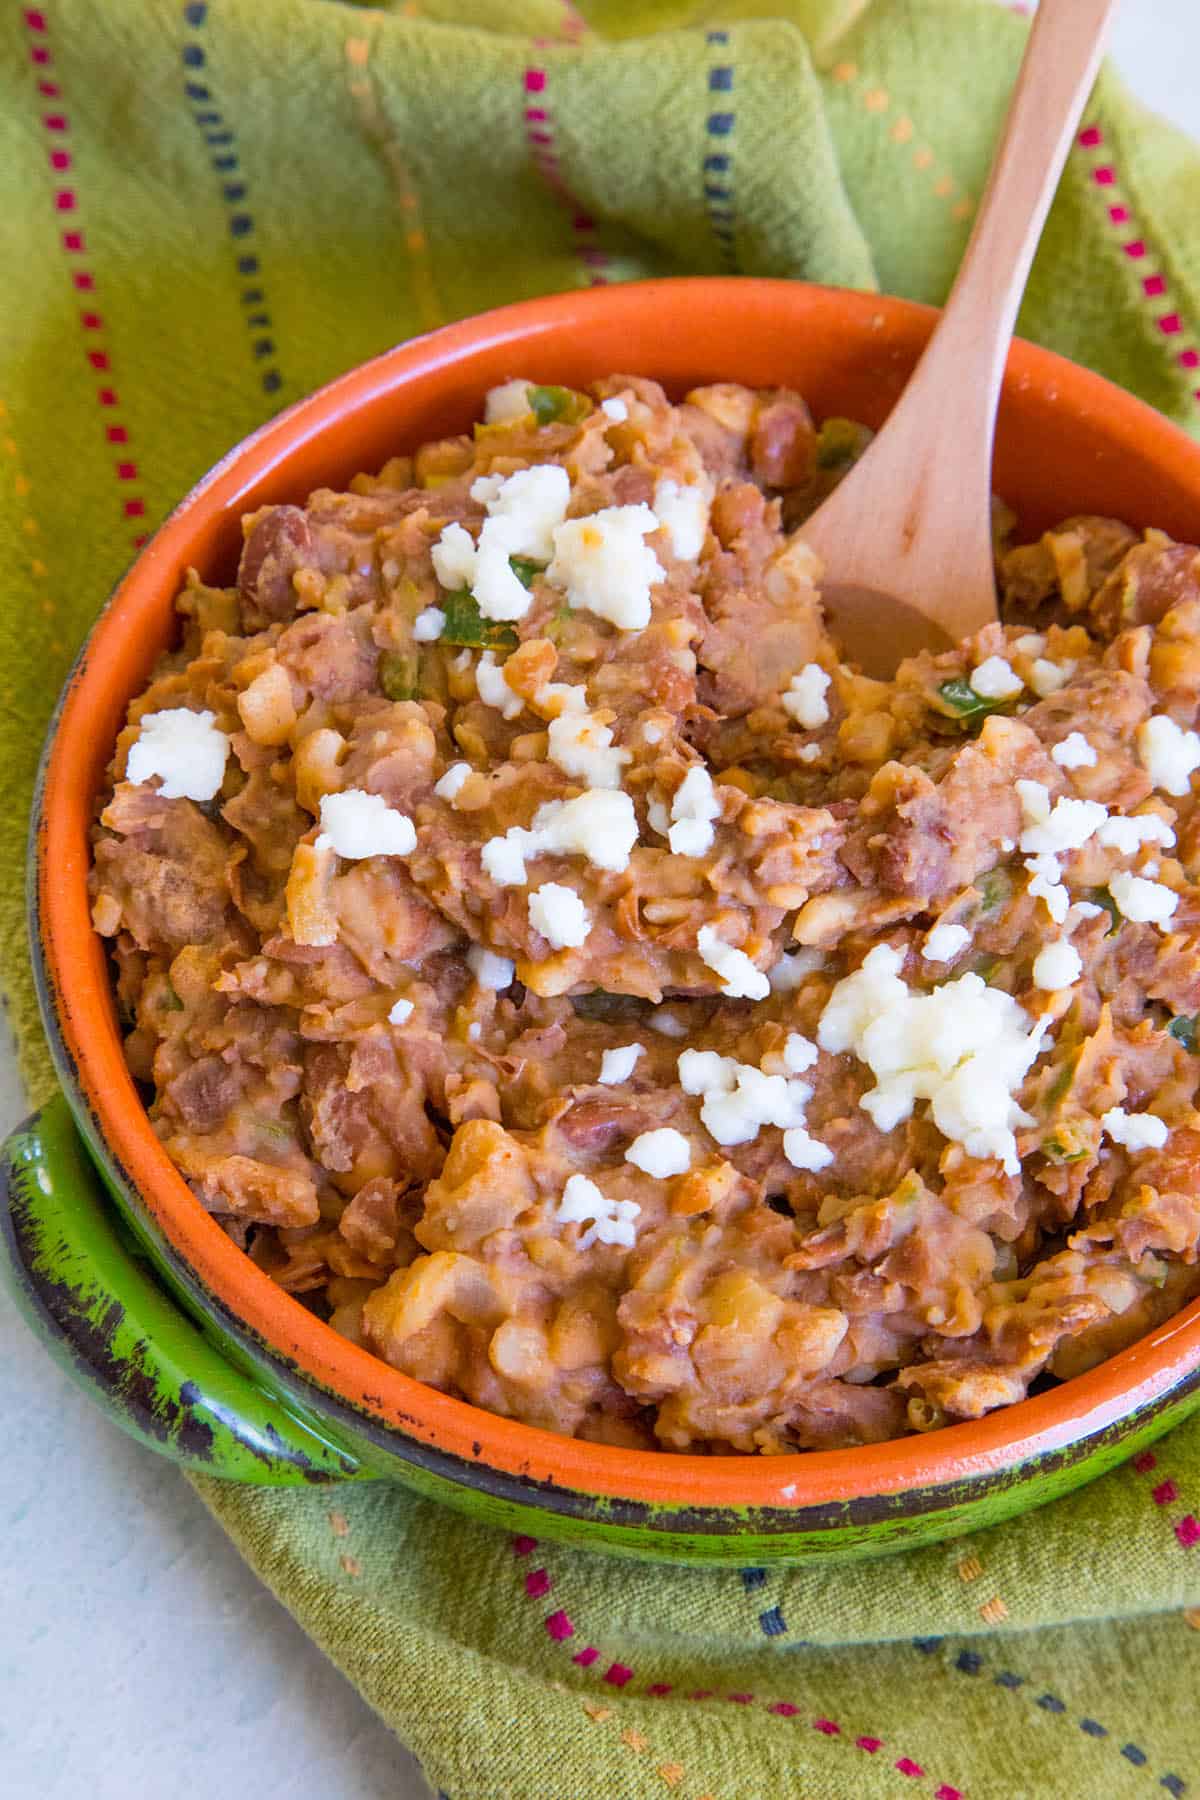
167 1364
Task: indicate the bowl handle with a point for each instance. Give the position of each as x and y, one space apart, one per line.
92 1299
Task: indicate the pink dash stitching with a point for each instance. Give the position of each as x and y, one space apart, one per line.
66 200
539 134
1165 1492
560 1627
1152 283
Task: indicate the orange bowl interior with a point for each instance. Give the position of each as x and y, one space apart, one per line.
1067 442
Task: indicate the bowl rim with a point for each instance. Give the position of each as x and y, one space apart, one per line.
75 993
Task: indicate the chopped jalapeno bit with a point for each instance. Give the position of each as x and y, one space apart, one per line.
466 625
524 568
1062 1082
995 889
399 674
558 405
1102 897
840 442
960 699
1058 1152
1183 1030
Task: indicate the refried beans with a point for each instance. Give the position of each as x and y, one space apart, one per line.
552 964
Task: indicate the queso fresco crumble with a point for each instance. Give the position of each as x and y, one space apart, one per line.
553 964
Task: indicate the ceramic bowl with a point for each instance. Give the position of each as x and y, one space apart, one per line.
181 1335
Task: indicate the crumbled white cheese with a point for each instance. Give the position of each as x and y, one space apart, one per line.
605 567
1080 912
1074 752
602 826
447 788
523 511
532 504
706 1072
582 746
660 1153
1145 902
1007 846
491 971
492 684
694 807
740 980
454 557
805 1152
963 1047
667 1023
1046 677
1057 965
945 942
652 733
1169 755
401 1012
791 970
612 1220
618 1065
1052 830
1128 833
1150 868
615 409
507 402
805 699
428 625
1047 885
995 679
799 1053
736 1115
809 753
357 824
184 749
658 817
560 915
1136 1131
1032 644
503 858
683 511
475 1031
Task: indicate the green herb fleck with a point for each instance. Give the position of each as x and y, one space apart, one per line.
985 967
524 568
961 699
1102 897
399 674
840 443
466 625
558 405
170 1001
1183 1030
1062 1081
995 890
1059 1153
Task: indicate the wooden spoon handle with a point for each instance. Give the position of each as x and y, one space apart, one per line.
912 518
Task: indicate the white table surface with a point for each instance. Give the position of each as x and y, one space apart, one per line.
141 1658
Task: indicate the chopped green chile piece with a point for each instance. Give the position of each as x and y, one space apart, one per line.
171 1002
524 568
840 443
1183 1030
399 674
1058 1152
995 889
465 624
1060 1086
961 699
558 405
1101 897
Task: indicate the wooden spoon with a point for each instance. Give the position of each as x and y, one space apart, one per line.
906 537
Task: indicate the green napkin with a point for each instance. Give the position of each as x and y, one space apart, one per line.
211 208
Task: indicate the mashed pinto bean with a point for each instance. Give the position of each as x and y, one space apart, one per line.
602 1003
